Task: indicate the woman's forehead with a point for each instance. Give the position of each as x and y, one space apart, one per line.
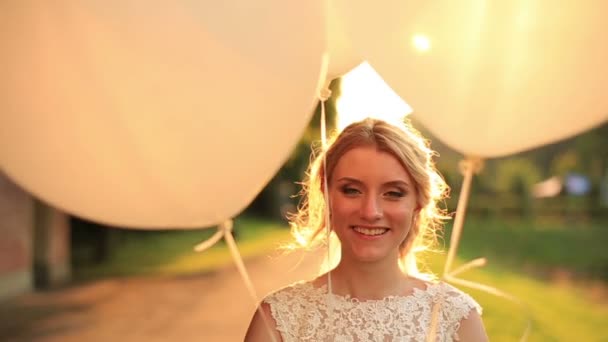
369 162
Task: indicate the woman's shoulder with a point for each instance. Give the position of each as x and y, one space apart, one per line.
287 305
293 292
455 302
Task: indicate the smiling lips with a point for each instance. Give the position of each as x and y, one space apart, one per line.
370 231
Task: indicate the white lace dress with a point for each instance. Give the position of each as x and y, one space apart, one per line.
301 312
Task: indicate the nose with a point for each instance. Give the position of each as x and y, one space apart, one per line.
371 210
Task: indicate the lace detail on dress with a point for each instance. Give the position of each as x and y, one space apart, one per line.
302 313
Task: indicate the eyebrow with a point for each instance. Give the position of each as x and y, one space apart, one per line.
390 183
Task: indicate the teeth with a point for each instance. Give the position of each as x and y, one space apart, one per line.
371 232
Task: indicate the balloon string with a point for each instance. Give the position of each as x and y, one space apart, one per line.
432 335
469 265
210 242
468 168
225 230
460 211
324 94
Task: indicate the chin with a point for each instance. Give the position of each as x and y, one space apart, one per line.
370 256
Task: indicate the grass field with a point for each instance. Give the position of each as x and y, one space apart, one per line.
558 270
171 252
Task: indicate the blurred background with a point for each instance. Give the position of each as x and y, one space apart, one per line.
539 217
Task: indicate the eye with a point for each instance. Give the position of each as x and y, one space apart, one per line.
395 194
350 191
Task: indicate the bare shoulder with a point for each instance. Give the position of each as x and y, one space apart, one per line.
472 328
263 326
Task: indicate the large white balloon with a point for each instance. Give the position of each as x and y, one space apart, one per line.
155 114
342 57
489 78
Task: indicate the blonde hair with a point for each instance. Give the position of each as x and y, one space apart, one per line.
401 140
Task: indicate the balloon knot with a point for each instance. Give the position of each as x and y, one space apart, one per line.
226 226
474 163
324 94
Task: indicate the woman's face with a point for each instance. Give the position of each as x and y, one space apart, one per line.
373 203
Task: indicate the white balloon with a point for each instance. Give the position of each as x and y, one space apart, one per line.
489 78
342 57
155 114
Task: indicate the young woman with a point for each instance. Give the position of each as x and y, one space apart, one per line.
380 186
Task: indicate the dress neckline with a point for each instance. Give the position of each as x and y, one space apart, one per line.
416 293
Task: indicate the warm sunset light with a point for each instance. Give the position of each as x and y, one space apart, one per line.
421 42
365 94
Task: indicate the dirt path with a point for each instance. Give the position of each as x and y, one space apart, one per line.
212 307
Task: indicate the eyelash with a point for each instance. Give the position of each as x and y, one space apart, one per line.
350 191
396 194
347 190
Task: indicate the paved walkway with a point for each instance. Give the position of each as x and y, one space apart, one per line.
212 307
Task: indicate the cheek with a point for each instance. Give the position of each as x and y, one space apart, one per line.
401 216
341 209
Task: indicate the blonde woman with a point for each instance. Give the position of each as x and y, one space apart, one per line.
381 191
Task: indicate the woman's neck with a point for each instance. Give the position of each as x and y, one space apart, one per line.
370 280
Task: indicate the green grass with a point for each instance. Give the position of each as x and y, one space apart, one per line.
558 312
522 260
544 248
550 266
172 252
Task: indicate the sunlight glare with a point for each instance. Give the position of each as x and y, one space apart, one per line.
421 42
365 94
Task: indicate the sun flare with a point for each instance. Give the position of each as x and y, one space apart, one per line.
421 42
